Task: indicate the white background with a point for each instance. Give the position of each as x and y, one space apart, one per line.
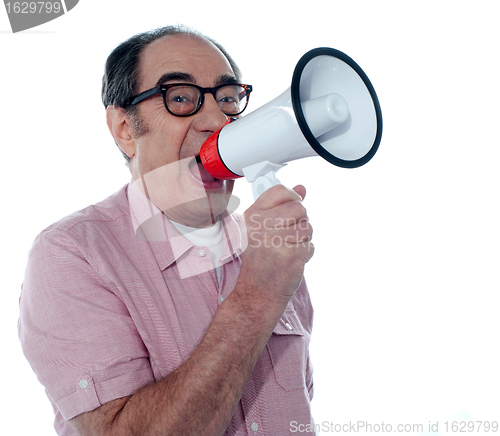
405 278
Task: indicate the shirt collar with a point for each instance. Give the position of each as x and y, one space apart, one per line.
166 242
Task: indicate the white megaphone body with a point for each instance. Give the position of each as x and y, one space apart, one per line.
330 110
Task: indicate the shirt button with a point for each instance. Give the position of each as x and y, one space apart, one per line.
221 299
289 326
254 426
201 253
83 384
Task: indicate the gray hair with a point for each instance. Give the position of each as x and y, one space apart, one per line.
122 67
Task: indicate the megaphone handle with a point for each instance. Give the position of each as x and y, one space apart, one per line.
263 183
262 176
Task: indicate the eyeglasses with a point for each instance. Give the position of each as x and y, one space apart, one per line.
185 99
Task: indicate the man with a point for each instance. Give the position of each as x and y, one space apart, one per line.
121 319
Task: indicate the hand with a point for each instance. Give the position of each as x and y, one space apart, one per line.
279 243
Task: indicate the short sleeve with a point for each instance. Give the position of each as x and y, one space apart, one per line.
304 308
77 335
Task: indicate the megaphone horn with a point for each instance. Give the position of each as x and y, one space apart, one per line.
331 110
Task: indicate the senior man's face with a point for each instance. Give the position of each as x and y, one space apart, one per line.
164 155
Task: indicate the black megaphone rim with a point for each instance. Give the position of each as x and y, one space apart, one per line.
299 113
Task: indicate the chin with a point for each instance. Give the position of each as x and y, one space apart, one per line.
201 212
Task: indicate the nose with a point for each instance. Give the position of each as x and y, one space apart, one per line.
210 118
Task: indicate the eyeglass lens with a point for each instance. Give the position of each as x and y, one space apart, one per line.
185 99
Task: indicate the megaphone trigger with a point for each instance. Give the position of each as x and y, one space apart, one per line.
262 176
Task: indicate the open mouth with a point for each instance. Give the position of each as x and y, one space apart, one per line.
201 175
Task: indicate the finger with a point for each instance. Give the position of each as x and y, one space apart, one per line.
300 232
301 190
289 215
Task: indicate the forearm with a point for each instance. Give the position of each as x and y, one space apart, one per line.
199 397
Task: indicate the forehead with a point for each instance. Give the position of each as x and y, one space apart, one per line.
185 54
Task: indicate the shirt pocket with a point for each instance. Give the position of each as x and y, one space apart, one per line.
288 350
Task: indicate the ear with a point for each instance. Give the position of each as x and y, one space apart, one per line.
119 125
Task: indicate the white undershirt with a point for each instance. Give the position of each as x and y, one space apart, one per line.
210 237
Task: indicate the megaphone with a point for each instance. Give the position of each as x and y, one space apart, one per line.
331 110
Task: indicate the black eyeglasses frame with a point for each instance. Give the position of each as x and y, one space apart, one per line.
164 88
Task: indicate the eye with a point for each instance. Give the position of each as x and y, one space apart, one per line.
229 99
183 99
182 96
232 99
180 99
227 95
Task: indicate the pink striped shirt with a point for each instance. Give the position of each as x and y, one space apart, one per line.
115 298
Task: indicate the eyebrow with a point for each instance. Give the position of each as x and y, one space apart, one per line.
177 76
227 79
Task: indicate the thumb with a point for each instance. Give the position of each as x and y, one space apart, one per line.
301 190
